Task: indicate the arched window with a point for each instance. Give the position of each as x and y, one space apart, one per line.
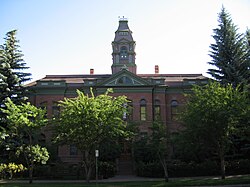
174 110
143 112
124 80
124 52
157 110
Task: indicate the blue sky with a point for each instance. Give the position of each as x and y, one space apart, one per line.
72 36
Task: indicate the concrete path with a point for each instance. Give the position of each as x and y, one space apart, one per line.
117 178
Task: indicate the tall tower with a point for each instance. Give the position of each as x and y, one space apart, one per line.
123 48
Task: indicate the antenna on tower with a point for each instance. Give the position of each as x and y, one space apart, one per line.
122 18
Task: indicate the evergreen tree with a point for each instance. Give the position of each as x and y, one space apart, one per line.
12 66
12 76
229 53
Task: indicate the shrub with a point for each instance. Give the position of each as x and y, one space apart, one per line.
10 169
107 169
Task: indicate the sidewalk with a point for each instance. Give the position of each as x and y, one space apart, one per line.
118 178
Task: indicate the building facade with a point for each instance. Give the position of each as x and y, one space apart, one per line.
153 96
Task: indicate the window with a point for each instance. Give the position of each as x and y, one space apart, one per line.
124 80
55 110
42 139
124 52
129 114
143 111
123 33
73 150
44 106
157 110
174 110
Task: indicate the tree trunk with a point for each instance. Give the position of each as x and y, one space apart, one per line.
165 167
31 173
87 166
222 162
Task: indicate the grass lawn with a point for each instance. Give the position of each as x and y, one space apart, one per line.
172 183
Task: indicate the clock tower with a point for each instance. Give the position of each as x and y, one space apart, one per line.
123 48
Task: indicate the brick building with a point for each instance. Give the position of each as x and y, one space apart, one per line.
153 96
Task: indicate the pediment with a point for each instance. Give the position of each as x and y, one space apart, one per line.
124 78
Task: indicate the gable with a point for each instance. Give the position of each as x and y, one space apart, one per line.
124 78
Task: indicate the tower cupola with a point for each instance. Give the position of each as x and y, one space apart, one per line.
123 48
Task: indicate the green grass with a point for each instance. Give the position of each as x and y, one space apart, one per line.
171 183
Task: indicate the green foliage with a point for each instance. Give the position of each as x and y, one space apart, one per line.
24 124
35 153
11 169
86 121
109 150
213 114
107 169
12 65
151 148
230 53
24 117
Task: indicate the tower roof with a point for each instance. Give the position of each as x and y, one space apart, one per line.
123 25
123 31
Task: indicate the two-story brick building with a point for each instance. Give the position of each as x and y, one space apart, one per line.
153 96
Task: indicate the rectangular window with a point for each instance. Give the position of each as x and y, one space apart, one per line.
174 113
55 111
73 150
157 113
143 113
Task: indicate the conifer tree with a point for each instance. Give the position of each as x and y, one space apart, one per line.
12 68
12 76
229 53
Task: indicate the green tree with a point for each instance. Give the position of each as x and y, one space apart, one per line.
212 115
85 121
12 75
24 125
229 53
159 145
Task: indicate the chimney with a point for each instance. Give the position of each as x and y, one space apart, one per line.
91 71
156 69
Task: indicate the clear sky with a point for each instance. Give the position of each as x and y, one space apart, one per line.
72 36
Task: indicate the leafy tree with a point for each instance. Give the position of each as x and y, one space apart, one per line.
159 144
229 53
24 124
212 116
153 147
12 76
85 121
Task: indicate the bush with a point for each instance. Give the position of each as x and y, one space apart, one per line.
177 169
237 167
107 169
152 169
10 169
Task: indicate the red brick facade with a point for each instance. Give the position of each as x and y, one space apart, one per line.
164 91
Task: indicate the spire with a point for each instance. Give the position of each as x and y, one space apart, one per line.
123 48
